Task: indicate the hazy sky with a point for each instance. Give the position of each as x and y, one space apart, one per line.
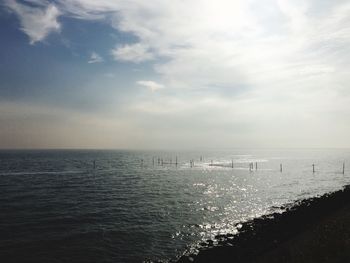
174 74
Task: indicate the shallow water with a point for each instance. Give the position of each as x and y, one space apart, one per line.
55 207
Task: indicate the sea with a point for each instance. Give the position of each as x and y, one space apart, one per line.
135 206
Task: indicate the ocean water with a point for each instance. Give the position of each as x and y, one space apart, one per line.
55 206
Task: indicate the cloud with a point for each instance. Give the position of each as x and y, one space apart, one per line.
132 53
254 68
37 18
95 58
151 85
229 44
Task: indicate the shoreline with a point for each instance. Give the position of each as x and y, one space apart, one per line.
311 230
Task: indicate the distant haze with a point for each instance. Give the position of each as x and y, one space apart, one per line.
174 74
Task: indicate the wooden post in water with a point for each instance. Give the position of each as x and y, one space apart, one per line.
232 163
313 168
281 168
256 166
176 161
343 167
153 160
94 164
162 161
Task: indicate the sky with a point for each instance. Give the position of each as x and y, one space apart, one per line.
181 74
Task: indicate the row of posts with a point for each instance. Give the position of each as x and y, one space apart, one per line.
313 168
251 165
161 162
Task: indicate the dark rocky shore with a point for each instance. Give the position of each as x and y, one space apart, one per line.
312 230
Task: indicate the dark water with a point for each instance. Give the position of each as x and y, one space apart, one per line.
55 207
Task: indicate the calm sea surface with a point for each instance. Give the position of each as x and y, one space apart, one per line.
55 207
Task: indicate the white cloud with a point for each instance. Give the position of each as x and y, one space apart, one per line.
37 20
275 64
95 58
151 85
133 53
269 66
230 43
